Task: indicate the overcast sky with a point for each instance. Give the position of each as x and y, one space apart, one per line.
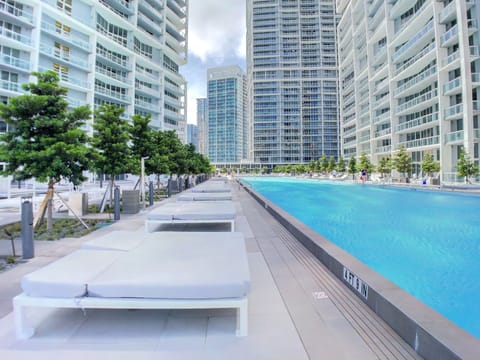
216 37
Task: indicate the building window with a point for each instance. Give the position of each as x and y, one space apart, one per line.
62 51
65 6
62 71
62 29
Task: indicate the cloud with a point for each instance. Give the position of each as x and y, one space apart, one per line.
217 29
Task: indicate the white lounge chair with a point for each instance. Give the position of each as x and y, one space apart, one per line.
204 196
168 270
213 187
191 212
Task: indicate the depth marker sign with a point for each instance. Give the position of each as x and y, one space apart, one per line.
357 283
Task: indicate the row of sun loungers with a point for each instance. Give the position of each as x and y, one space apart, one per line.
150 270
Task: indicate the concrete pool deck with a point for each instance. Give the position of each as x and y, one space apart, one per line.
297 310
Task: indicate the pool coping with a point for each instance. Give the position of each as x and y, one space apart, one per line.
428 332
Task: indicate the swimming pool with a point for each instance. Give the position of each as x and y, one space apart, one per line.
426 242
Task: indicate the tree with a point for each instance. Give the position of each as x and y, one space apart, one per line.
429 165
466 167
331 164
45 141
341 165
141 137
111 136
402 162
158 162
364 163
352 167
323 164
384 166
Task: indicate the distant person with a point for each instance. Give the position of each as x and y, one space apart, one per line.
363 177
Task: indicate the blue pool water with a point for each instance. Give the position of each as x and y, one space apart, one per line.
426 242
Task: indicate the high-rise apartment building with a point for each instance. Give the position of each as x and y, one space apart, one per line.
202 123
410 75
292 80
226 121
192 135
121 52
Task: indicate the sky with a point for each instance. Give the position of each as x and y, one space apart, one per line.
216 37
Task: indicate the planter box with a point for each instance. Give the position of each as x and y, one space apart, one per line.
131 201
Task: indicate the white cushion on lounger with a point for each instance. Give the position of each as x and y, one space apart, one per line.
204 196
163 212
214 187
205 210
177 265
115 240
68 277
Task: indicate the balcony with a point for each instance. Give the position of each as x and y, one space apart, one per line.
454 137
153 91
12 35
379 56
475 79
454 112
349 132
148 8
364 138
64 57
119 76
25 14
11 86
15 62
399 8
417 103
408 27
476 106
382 86
64 35
74 81
430 141
449 12
145 105
384 117
421 59
418 82
476 134
383 149
382 102
112 94
453 87
149 24
450 59
375 21
113 59
382 133
414 44
451 36
424 120
350 143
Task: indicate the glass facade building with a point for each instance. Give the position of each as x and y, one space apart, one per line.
192 135
122 52
292 80
410 75
201 124
226 122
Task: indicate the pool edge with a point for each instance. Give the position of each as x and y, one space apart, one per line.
419 325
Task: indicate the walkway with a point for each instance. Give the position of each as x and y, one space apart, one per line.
297 310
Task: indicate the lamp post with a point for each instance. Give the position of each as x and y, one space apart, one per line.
142 180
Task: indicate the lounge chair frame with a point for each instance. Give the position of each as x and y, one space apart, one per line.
22 301
151 222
